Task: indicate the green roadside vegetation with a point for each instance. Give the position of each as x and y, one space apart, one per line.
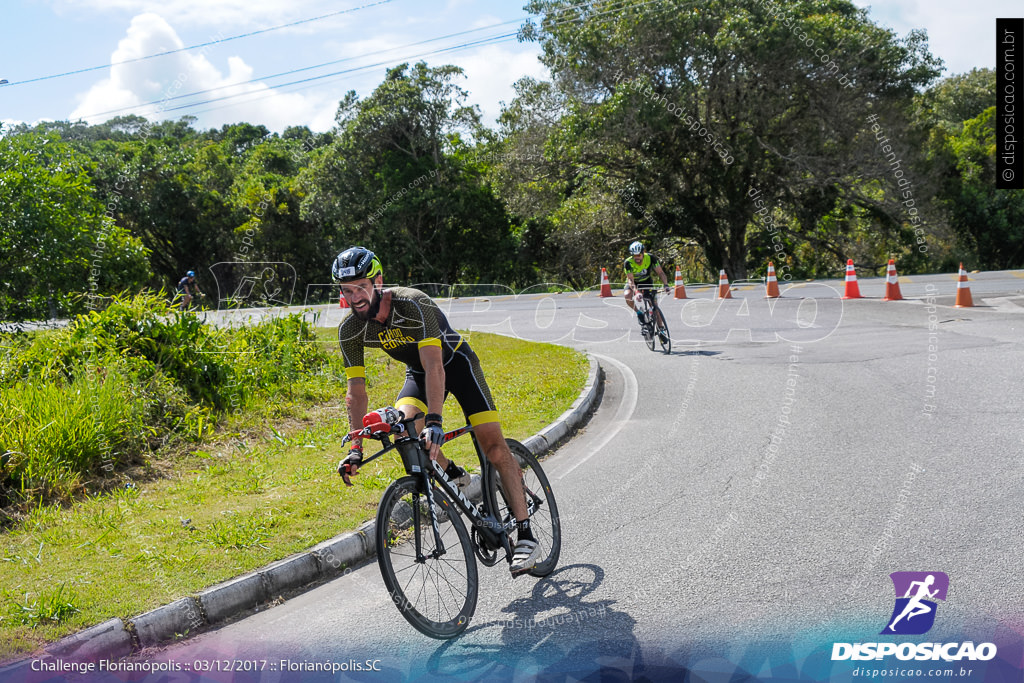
147 456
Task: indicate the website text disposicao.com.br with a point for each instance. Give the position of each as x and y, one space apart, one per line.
918 652
909 672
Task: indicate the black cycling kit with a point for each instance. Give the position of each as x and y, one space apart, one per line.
414 322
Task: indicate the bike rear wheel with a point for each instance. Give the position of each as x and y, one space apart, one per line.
661 330
436 594
544 520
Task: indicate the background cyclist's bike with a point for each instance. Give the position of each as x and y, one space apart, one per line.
197 303
652 326
425 553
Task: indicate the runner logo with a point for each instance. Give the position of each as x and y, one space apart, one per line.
914 614
916 593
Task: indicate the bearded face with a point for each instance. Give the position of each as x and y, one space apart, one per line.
363 297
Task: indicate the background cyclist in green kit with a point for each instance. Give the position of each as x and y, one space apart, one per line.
640 267
408 326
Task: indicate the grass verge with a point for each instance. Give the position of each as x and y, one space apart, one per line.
261 488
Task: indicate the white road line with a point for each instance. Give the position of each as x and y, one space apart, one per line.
625 411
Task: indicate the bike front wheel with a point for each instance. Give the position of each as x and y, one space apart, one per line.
661 331
540 501
434 588
647 329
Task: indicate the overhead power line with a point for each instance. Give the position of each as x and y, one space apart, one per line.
199 45
308 68
607 7
477 43
337 76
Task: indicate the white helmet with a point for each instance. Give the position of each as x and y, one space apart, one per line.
636 248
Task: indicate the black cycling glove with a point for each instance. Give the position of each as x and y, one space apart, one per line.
433 432
349 466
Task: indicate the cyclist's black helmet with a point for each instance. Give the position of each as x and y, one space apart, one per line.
356 263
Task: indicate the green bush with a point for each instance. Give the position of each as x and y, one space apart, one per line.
106 390
176 343
276 353
144 330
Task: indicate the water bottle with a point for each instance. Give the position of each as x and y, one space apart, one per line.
387 415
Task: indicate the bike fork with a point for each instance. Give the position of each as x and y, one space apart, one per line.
438 544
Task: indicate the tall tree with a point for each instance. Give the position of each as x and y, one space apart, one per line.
172 189
685 109
989 222
267 189
958 116
55 240
400 179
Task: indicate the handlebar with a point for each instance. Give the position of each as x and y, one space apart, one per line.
382 423
650 291
379 432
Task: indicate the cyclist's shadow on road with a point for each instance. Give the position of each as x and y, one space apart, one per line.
555 629
694 352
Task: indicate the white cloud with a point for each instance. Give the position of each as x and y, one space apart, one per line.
492 70
162 79
7 124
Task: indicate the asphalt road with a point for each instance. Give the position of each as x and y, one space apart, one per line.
740 502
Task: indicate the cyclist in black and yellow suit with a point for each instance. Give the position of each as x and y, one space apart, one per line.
640 267
407 325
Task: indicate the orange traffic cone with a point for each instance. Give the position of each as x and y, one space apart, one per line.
772 285
963 291
341 301
852 288
892 285
723 286
606 286
680 289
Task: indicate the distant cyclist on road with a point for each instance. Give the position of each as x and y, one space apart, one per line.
187 289
408 326
639 268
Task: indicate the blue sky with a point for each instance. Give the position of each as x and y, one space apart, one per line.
47 37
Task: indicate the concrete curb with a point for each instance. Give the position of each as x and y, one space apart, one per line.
93 643
181 618
166 623
567 423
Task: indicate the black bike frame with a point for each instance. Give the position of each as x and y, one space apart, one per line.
650 296
418 463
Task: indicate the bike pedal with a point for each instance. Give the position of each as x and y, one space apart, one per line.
527 570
